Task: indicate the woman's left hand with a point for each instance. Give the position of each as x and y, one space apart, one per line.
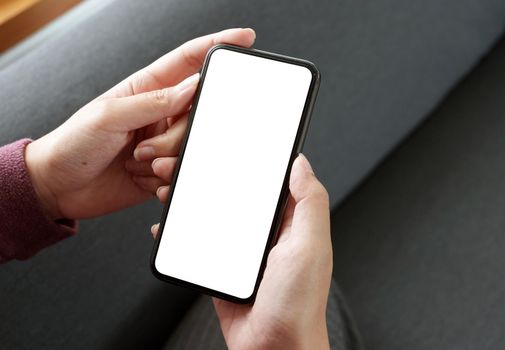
84 168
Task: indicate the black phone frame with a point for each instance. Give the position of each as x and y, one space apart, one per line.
283 198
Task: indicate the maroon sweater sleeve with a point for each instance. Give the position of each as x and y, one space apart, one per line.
24 227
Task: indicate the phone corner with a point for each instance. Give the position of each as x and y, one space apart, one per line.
233 298
244 301
219 47
248 299
316 73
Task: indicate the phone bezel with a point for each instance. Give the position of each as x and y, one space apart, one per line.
282 201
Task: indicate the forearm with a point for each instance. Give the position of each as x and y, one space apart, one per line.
25 227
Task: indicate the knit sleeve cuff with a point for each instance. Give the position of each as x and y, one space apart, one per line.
25 228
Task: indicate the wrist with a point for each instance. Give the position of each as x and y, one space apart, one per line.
37 170
301 337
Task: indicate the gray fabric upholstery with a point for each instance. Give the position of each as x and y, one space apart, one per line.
419 248
385 65
95 291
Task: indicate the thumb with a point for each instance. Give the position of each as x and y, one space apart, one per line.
134 112
311 214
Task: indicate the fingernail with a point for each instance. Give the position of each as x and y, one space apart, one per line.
144 153
158 191
153 164
189 82
305 163
251 30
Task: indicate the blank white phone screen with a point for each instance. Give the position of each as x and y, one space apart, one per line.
230 179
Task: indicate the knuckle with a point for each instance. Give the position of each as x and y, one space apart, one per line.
189 57
326 197
159 97
164 147
102 107
136 83
99 111
322 194
319 195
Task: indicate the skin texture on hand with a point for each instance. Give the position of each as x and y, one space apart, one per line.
290 308
121 148
85 167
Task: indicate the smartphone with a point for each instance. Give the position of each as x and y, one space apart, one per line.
246 126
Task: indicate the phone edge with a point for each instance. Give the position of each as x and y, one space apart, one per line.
283 197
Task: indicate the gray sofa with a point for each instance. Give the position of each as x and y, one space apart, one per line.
407 136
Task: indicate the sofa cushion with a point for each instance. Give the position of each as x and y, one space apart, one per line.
419 247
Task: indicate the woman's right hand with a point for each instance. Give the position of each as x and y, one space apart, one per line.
290 308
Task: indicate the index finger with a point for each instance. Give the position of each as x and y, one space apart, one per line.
180 63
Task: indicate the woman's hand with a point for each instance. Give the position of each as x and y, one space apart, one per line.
84 168
290 308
